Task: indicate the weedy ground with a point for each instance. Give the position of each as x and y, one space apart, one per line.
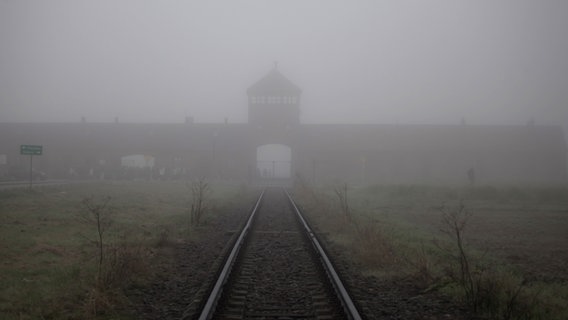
49 253
502 251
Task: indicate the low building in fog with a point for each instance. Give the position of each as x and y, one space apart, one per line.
275 145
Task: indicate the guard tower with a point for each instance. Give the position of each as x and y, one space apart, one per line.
274 101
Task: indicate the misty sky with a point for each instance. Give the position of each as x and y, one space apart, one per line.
404 61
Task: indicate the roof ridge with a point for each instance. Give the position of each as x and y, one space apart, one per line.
274 82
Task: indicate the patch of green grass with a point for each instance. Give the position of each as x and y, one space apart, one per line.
47 251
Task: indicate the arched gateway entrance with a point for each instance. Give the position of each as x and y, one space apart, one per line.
274 162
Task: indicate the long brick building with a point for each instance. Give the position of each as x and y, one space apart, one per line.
274 144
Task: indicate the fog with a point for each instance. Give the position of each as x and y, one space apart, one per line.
488 62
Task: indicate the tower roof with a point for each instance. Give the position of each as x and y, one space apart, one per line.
274 83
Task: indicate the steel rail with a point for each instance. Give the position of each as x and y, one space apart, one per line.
346 301
209 308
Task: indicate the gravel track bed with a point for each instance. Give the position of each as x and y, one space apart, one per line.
182 270
277 277
395 298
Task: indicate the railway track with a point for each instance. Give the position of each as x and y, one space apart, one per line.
277 270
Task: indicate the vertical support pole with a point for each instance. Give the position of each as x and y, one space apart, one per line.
314 172
31 171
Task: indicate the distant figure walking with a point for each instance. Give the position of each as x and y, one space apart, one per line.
471 176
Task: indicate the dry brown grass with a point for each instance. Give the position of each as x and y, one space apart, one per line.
123 264
372 247
365 239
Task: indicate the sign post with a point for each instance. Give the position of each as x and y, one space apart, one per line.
31 150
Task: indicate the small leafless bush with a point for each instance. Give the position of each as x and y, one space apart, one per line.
98 213
454 224
341 194
486 289
122 265
117 263
199 193
424 266
367 240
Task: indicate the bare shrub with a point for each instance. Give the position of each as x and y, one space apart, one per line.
423 264
98 214
117 263
341 194
122 264
454 224
486 289
367 240
199 193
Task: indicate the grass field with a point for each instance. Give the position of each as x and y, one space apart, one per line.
49 253
515 241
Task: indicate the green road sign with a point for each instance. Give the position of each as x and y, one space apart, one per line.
31 150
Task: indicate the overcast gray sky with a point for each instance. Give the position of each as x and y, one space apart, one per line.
403 61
